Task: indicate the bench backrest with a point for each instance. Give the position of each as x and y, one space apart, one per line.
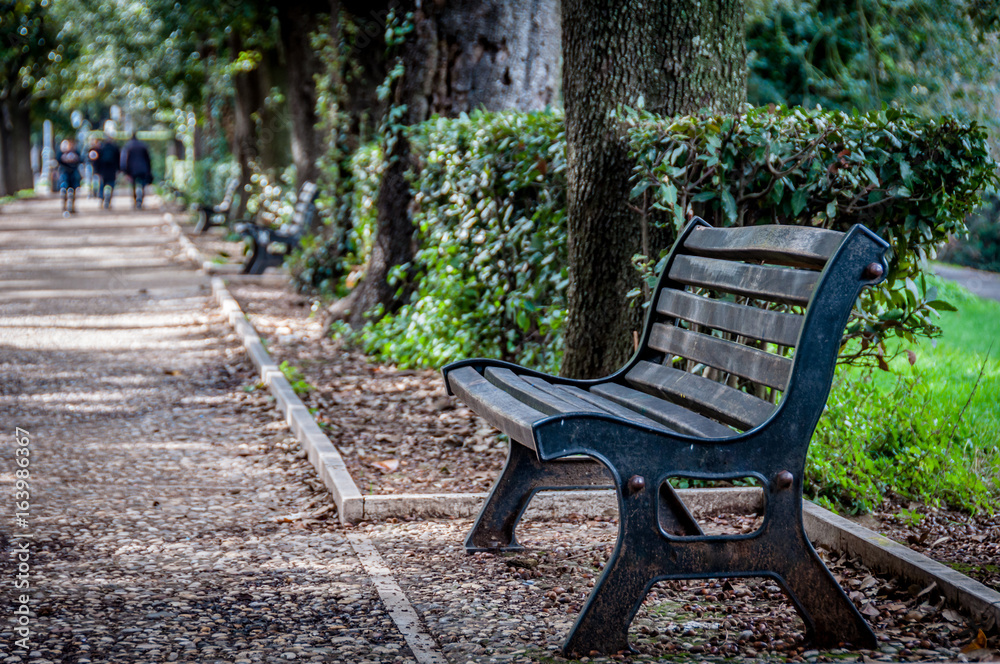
305 210
227 199
725 329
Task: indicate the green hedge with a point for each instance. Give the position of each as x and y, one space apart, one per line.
491 270
489 200
911 180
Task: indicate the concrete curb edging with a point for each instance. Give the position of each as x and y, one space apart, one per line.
822 526
887 556
320 451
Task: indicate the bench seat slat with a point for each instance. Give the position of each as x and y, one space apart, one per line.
592 401
750 363
773 326
526 393
761 282
664 412
497 407
716 400
784 245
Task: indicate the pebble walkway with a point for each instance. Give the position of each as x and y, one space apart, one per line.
171 518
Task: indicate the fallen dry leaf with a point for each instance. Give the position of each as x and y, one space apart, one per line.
978 643
952 616
387 465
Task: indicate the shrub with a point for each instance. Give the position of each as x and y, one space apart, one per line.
329 263
490 274
911 180
981 247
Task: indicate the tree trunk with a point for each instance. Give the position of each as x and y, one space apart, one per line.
20 145
6 130
461 56
679 57
260 132
298 21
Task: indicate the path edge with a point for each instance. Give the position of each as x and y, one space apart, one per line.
322 453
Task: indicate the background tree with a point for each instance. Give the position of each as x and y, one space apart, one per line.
450 58
28 49
676 57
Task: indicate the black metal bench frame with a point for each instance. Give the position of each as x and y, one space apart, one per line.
660 417
217 215
266 246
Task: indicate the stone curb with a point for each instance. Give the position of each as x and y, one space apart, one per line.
320 451
890 557
822 526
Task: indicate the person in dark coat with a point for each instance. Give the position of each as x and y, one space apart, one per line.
106 163
69 161
135 163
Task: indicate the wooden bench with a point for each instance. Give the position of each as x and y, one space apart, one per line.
742 319
267 247
217 215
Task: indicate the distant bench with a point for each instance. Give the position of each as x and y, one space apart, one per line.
217 215
740 317
267 247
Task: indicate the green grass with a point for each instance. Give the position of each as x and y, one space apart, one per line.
929 431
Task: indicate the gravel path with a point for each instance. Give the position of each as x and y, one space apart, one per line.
171 518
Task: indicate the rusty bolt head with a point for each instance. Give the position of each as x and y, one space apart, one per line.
783 480
873 271
636 483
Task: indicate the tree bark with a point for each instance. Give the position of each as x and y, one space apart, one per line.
6 130
461 56
20 145
297 21
679 57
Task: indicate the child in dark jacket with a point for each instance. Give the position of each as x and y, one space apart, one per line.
69 175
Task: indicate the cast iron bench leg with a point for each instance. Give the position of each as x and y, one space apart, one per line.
604 621
523 475
820 599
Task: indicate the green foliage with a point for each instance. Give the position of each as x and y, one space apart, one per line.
910 180
28 48
981 248
207 184
927 431
331 264
847 54
490 275
296 379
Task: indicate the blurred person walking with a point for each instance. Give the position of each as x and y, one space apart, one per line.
106 163
135 163
69 160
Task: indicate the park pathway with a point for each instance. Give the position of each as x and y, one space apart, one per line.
169 519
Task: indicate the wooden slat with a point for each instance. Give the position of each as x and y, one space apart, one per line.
774 326
534 397
721 402
750 363
784 245
494 405
774 284
592 401
666 413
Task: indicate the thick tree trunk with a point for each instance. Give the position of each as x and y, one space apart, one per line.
260 133
6 131
298 21
20 146
679 57
461 56
246 94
